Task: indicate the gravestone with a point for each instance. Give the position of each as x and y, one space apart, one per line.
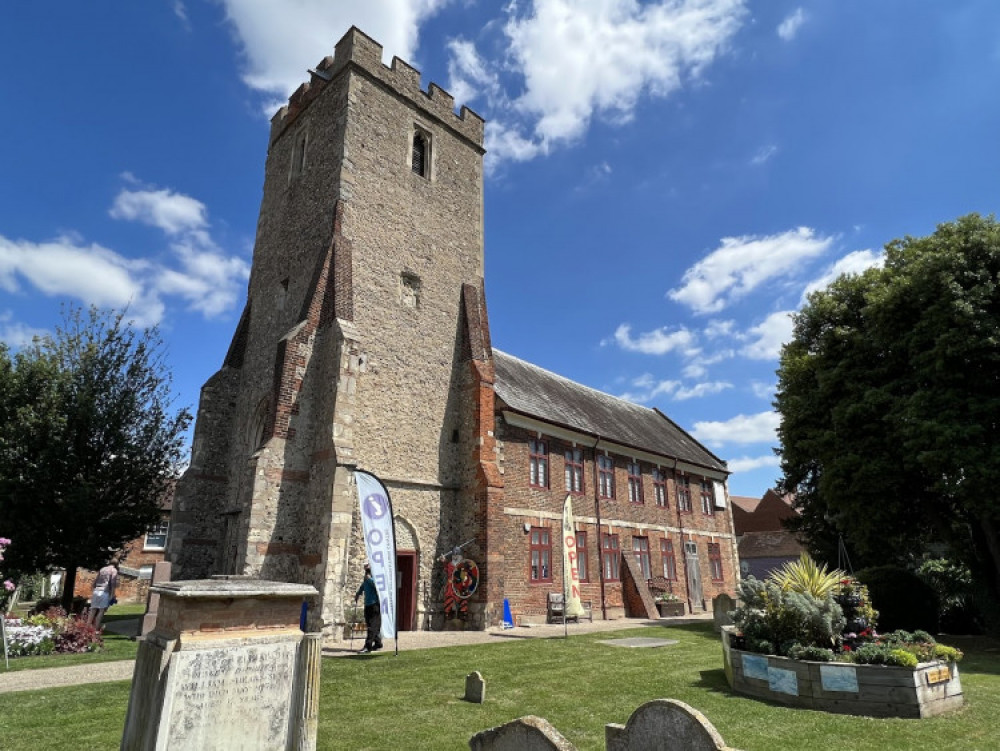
527 733
722 607
226 667
475 688
664 725
161 574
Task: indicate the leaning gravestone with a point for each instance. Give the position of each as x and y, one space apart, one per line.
226 667
722 608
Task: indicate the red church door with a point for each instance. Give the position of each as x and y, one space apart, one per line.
406 595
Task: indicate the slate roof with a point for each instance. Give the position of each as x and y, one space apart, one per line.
539 393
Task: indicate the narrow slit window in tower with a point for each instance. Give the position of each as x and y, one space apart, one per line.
421 158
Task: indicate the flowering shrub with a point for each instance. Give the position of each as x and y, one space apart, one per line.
78 635
667 597
26 639
8 585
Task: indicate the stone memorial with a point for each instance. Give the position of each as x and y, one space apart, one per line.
722 611
475 688
161 574
226 667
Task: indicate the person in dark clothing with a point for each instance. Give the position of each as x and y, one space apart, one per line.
373 612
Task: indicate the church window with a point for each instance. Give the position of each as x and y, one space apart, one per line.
669 562
538 459
420 159
640 549
581 555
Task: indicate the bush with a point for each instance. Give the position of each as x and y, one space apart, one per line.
816 654
78 636
79 605
904 600
24 639
901 658
783 619
947 654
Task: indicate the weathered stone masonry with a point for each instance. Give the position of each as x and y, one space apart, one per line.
365 343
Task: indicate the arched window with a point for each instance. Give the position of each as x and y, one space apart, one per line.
421 157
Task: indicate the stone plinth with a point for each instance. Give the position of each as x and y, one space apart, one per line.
225 667
161 575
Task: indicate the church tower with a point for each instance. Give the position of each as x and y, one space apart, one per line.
354 347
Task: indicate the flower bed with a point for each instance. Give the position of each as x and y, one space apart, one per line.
929 689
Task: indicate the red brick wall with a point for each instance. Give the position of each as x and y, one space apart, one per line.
618 516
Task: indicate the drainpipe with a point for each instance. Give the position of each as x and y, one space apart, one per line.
600 540
680 524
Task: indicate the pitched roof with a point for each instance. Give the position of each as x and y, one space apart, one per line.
769 545
539 393
746 503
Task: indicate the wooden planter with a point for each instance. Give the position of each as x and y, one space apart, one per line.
670 609
929 689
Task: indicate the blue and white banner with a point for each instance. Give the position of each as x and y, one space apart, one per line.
380 544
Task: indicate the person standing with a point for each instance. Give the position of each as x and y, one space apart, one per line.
103 595
373 612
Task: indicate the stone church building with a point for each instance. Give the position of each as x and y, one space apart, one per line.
365 344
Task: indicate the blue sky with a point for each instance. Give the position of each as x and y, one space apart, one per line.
666 179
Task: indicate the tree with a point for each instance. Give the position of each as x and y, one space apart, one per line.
89 443
889 397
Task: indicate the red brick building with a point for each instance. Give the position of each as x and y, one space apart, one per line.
135 569
641 487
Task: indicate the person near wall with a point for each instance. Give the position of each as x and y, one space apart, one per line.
103 595
373 612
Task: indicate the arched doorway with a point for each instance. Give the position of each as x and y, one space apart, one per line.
407 568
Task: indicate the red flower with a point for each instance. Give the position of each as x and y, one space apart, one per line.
847 647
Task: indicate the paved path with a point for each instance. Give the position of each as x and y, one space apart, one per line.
101 672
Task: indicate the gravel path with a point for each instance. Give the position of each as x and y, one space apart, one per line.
102 672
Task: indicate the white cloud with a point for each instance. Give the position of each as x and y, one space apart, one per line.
575 60
15 333
701 389
741 264
853 263
92 274
656 342
767 337
742 429
764 154
198 272
749 463
171 212
763 390
281 41
585 57
716 329
788 28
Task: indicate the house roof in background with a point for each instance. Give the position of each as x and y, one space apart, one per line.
536 392
769 545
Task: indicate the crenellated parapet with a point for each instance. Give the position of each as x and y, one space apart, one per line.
356 50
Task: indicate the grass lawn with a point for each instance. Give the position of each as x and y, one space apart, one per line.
115 647
414 700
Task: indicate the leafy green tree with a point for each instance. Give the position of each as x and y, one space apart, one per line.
89 443
889 397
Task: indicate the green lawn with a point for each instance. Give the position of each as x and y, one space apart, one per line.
414 700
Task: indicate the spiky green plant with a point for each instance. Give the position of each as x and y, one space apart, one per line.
805 576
